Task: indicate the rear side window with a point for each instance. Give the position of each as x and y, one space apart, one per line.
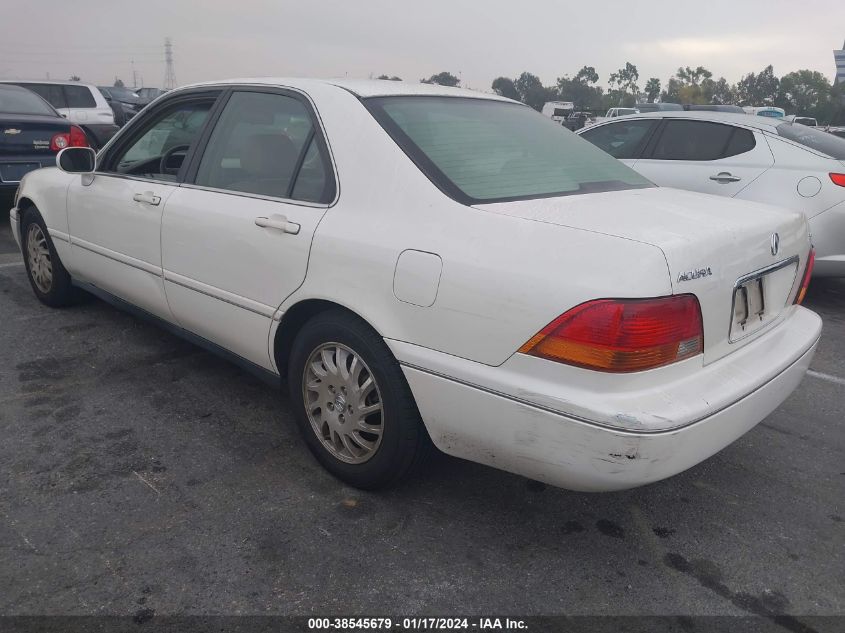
814 139
79 97
51 93
621 140
266 144
479 150
701 141
14 100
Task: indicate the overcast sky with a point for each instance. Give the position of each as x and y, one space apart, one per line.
478 40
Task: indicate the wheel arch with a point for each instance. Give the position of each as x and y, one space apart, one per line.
292 321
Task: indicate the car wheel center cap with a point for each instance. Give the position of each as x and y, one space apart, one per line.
340 402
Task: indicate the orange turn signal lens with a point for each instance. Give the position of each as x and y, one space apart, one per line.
623 335
805 280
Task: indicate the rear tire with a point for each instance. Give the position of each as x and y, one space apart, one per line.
50 281
352 403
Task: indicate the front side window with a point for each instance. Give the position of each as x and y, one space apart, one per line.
701 141
160 150
621 140
481 150
79 97
266 144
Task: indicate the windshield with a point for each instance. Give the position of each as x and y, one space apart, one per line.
15 100
814 139
480 150
123 94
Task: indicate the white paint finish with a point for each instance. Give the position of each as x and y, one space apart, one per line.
564 452
657 400
104 219
508 270
210 243
828 229
809 186
691 231
417 277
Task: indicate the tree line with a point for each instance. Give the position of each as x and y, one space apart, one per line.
803 92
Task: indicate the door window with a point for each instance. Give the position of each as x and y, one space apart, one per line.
51 93
159 151
701 141
621 140
266 144
79 97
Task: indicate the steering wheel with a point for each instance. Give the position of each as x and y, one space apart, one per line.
172 171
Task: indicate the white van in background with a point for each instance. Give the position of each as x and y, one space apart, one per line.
558 110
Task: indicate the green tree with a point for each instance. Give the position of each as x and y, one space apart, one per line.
693 76
386 78
760 89
74 78
532 92
442 79
623 84
118 83
579 89
722 93
805 92
652 89
504 87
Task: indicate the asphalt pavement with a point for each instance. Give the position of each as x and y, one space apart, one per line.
140 475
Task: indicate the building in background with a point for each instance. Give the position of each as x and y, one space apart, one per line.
839 58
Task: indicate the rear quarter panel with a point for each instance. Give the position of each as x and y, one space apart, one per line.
503 278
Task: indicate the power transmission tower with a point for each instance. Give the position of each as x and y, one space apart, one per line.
169 74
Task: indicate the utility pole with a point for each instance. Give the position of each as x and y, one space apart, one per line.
169 73
134 75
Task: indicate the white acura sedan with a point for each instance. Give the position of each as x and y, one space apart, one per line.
432 264
741 156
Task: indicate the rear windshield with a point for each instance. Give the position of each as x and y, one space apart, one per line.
480 150
22 101
814 139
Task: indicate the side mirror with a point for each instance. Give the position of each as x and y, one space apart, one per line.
77 160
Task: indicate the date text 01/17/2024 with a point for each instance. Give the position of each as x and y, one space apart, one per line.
417 624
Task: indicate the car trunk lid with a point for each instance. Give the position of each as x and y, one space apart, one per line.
715 248
22 134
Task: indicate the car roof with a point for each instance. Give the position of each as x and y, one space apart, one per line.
747 120
47 81
360 87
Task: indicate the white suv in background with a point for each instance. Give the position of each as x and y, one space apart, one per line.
82 104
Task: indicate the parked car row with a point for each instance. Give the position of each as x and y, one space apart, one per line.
756 158
99 111
426 264
32 132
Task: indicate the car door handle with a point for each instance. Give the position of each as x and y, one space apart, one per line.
279 222
147 197
725 177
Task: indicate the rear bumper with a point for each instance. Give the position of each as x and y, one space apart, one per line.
505 432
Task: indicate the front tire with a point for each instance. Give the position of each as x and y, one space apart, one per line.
49 280
352 403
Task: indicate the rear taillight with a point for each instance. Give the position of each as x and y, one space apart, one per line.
623 335
805 280
75 138
838 179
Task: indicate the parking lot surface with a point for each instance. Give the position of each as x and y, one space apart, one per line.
140 474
